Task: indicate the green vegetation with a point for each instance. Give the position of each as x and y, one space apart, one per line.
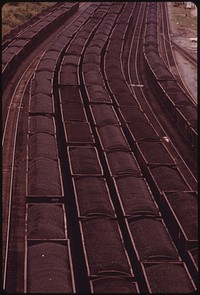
183 17
15 13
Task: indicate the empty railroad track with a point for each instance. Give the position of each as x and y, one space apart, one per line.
168 53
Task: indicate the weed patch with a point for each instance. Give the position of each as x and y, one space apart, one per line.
16 13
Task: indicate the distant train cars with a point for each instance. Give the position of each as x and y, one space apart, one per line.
177 104
25 40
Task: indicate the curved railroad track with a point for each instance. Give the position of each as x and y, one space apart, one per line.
12 112
169 54
91 161
139 85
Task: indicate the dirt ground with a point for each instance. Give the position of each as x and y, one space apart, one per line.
181 34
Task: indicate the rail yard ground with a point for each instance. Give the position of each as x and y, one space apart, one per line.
183 28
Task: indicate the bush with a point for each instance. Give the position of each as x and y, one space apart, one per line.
16 13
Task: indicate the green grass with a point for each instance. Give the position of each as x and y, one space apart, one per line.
15 13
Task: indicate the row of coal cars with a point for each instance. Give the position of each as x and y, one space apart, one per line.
110 190
157 165
27 38
9 36
106 175
107 262
48 265
169 92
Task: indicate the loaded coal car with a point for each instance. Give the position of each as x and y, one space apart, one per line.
104 249
46 221
150 239
113 284
41 123
48 267
135 196
104 114
84 161
28 38
183 223
186 118
92 197
48 263
168 90
164 177
43 179
168 277
150 153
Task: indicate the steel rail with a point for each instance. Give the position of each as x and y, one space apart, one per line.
10 163
139 82
134 37
166 42
39 47
164 39
170 142
81 7
141 16
173 65
186 54
10 132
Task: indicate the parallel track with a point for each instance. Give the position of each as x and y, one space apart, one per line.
186 54
168 51
12 121
139 90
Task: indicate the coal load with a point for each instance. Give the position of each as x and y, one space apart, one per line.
49 269
45 221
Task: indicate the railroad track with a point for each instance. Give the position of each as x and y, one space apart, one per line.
80 111
12 110
168 86
139 89
186 54
9 149
168 52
